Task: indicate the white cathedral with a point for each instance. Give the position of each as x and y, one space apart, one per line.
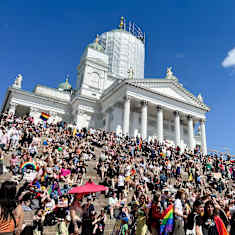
112 94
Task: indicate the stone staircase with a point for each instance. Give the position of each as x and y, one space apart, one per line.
99 203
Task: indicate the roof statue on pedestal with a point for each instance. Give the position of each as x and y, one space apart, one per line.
95 45
122 24
18 81
200 97
170 75
130 73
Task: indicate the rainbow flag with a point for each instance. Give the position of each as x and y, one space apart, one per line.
167 222
31 164
220 226
140 144
44 116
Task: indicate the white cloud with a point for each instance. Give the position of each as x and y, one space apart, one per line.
229 60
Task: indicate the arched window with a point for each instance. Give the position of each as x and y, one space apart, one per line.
94 80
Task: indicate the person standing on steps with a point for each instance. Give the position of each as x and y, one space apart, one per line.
11 214
88 212
75 214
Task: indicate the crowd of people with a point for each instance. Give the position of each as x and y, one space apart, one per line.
153 187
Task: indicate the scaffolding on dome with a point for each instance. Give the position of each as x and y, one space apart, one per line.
133 28
136 31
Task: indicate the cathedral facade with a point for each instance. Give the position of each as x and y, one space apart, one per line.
112 94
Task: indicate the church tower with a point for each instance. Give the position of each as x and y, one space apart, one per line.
92 71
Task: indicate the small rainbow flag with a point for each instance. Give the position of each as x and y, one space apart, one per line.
167 222
44 116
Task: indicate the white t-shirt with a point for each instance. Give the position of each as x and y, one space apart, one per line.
178 205
128 171
113 201
121 180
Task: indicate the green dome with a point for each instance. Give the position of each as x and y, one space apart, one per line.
65 85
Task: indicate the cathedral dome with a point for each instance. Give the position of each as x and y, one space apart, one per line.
65 86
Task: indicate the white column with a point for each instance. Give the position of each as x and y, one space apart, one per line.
159 124
190 132
12 108
203 137
144 119
107 117
126 116
177 128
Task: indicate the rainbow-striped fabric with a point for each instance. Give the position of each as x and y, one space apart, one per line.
220 226
44 116
140 144
167 222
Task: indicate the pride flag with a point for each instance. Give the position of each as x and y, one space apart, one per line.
31 164
220 226
167 222
44 116
140 144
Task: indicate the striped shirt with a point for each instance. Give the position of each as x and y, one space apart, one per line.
7 226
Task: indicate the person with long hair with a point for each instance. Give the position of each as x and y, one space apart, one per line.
179 213
212 224
194 220
11 214
142 216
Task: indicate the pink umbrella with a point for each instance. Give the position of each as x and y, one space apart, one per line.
89 187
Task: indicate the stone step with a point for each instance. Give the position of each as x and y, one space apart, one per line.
99 203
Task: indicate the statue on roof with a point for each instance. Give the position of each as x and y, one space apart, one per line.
200 97
121 25
18 81
97 38
169 73
95 45
67 78
130 73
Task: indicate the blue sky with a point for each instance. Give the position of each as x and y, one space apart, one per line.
43 40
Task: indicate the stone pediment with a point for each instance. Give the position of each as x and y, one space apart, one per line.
170 88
